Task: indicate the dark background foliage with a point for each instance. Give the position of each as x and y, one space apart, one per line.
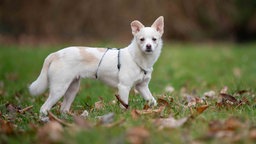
85 20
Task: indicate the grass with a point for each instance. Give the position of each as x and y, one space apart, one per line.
189 68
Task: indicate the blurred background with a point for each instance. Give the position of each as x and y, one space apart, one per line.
80 21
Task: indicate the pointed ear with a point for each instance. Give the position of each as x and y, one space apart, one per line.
136 26
159 25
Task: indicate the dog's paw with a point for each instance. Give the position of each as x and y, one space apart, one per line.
44 119
152 103
124 106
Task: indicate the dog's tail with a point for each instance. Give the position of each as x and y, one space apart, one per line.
41 83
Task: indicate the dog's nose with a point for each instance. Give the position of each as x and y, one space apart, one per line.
148 46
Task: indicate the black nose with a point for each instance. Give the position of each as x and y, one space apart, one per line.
148 46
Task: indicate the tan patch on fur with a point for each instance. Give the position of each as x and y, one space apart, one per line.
49 59
88 57
101 49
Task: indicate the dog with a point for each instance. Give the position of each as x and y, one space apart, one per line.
123 69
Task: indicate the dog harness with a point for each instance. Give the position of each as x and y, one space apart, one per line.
118 62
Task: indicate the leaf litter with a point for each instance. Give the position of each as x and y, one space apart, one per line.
217 129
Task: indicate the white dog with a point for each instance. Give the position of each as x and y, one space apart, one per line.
124 68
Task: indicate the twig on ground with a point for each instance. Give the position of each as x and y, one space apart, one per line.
25 109
122 102
52 116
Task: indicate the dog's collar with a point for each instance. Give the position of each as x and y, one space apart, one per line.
142 69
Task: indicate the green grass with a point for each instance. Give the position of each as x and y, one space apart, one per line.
195 68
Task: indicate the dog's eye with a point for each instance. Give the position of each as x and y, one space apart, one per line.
154 39
142 39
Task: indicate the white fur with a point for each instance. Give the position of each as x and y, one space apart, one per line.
63 69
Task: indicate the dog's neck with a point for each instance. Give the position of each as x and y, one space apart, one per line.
144 61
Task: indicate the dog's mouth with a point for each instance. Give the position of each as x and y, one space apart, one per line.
148 51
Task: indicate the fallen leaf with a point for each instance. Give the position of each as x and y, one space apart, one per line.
241 92
192 100
82 123
11 108
85 114
106 119
119 122
162 102
215 126
146 106
233 123
137 135
99 105
224 90
170 122
228 98
201 109
134 114
6 127
169 89
210 94
151 111
51 132
252 133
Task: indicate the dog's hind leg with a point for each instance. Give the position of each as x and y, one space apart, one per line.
70 95
57 90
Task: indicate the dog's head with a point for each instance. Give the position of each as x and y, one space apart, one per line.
148 38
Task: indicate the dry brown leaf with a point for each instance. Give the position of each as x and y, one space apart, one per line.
162 102
224 90
137 135
85 114
150 111
228 98
106 119
170 122
210 94
6 127
192 100
51 132
169 89
201 109
119 122
233 123
135 115
146 107
252 133
99 105
11 108
82 123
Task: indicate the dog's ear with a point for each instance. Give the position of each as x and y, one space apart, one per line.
136 26
159 24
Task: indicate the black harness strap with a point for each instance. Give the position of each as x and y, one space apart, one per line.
96 74
118 60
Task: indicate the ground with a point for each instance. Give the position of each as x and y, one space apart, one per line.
206 94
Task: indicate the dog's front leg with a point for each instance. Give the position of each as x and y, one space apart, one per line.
145 93
123 92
